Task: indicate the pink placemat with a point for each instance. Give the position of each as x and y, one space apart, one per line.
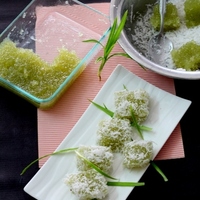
54 124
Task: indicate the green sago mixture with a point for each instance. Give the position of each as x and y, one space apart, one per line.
171 22
192 14
187 56
25 69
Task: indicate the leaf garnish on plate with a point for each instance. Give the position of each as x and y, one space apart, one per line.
47 155
103 108
125 184
134 123
159 170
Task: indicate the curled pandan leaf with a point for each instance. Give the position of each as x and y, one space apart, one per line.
47 155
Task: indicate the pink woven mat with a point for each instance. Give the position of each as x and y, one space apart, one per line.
56 123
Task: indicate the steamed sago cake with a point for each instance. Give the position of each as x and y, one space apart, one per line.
137 154
100 156
114 133
138 100
87 185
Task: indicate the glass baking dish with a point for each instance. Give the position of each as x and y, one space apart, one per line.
43 29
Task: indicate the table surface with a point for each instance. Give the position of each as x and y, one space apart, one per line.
18 140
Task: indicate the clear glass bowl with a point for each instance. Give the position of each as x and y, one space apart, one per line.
45 27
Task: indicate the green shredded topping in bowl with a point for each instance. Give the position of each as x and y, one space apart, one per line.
192 14
172 20
187 56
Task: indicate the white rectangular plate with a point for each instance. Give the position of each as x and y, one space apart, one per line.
166 110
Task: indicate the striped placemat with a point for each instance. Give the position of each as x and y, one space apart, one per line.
54 124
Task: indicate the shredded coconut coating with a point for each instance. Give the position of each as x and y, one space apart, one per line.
87 185
138 100
137 154
114 133
101 156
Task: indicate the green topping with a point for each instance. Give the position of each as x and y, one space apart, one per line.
192 14
187 56
171 21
